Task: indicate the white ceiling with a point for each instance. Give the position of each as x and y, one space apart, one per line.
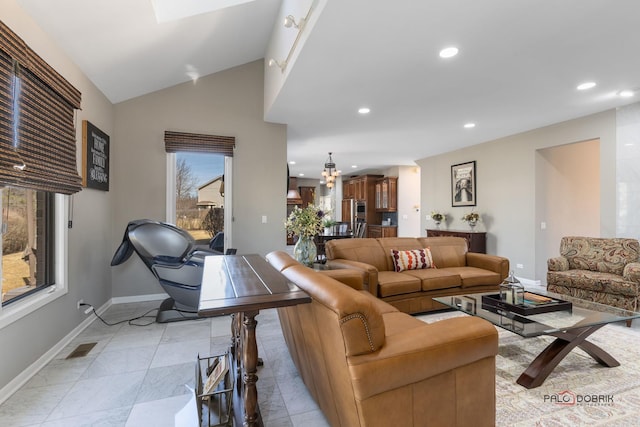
518 67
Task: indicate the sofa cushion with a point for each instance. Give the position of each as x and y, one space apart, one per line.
414 259
436 278
593 281
446 251
392 283
473 276
606 255
400 244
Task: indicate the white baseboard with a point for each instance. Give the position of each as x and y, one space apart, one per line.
139 298
15 384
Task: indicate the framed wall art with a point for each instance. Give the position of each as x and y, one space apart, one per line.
463 184
95 157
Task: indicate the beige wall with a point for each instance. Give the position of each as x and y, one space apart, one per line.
226 103
506 186
89 274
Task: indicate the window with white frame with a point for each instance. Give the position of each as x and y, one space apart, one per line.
37 169
199 185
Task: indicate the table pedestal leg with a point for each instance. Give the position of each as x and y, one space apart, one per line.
551 356
236 340
250 363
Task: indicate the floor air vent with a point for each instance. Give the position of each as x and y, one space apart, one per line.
81 350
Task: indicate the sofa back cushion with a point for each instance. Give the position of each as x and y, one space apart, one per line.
389 244
358 318
364 250
605 255
446 251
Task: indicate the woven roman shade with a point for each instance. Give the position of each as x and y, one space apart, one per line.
183 141
37 130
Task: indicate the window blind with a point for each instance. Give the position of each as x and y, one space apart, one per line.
183 141
37 129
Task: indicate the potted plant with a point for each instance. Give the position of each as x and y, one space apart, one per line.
471 218
438 217
328 224
305 223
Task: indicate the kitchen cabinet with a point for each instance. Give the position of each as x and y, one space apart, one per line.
376 231
348 190
387 194
361 188
308 195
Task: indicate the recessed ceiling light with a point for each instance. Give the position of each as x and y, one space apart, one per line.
448 52
469 125
626 93
364 110
292 162
354 166
586 85
300 174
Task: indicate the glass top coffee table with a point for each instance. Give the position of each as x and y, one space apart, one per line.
570 327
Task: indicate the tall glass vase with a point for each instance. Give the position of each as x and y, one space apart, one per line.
304 251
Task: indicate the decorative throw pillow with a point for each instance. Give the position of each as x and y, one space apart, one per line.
414 259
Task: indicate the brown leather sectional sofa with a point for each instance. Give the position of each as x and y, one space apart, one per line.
367 364
457 270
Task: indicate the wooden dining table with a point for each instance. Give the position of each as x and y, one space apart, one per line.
242 285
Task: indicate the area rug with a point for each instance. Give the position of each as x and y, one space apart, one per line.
579 392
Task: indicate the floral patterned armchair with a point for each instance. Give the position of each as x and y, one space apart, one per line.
603 270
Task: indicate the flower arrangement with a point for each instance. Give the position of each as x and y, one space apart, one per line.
471 217
437 216
305 222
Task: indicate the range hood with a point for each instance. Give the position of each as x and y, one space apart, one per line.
293 195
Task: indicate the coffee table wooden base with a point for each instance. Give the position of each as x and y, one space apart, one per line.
555 352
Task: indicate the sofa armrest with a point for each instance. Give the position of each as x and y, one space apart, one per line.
493 263
559 263
370 273
429 350
631 272
348 276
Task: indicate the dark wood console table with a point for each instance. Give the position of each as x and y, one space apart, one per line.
242 285
476 240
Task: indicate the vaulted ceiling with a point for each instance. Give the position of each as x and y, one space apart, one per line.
518 66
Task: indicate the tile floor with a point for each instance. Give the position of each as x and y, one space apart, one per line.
136 376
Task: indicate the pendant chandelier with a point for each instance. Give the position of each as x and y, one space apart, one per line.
330 173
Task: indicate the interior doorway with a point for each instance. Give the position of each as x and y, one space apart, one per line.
567 198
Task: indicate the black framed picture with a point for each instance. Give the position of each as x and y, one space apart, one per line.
463 184
95 157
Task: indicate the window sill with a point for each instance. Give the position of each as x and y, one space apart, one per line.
20 309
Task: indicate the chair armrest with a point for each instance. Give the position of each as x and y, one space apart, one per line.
558 264
370 273
429 350
493 263
631 272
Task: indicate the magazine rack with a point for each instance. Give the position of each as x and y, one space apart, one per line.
215 407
